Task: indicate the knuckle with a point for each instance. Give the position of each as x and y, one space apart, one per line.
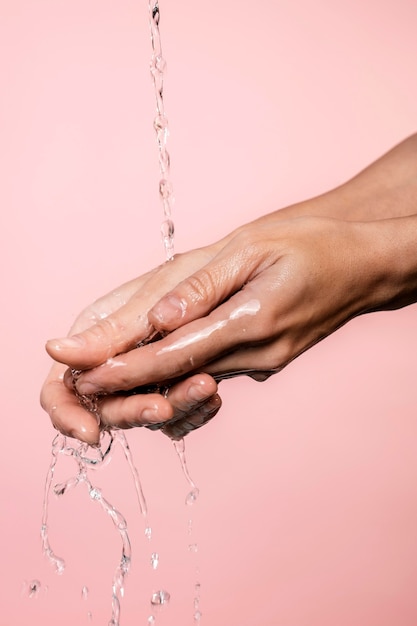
105 328
201 287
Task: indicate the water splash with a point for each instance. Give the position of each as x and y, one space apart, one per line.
79 452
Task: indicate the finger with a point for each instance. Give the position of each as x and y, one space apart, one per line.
117 329
187 396
135 410
110 325
201 292
65 411
202 415
185 350
153 409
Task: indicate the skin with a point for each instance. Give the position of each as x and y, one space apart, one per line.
248 304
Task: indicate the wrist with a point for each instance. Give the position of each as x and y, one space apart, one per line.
391 263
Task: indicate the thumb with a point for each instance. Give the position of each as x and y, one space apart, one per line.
119 332
203 291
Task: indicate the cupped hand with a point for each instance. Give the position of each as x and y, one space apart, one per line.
268 292
183 407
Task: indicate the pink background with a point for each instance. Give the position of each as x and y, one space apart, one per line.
308 507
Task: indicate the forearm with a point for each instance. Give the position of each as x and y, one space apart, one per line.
385 189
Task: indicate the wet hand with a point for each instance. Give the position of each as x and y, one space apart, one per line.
185 406
271 290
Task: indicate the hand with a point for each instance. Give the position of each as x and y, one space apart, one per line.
295 287
270 291
187 405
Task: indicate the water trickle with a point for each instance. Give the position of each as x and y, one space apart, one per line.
189 501
157 68
80 453
84 593
160 598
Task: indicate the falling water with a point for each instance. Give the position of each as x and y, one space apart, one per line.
158 66
86 457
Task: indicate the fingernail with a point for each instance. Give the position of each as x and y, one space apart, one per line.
197 392
86 388
76 341
150 415
169 309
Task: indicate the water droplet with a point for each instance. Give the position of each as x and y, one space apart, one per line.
125 563
148 532
155 13
154 560
151 620
95 494
197 616
59 490
160 598
59 565
158 65
160 123
164 161
33 588
193 547
167 229
165 188
84 593
197 587
90 616
192 496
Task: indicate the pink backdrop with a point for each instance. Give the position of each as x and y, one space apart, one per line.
308 507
